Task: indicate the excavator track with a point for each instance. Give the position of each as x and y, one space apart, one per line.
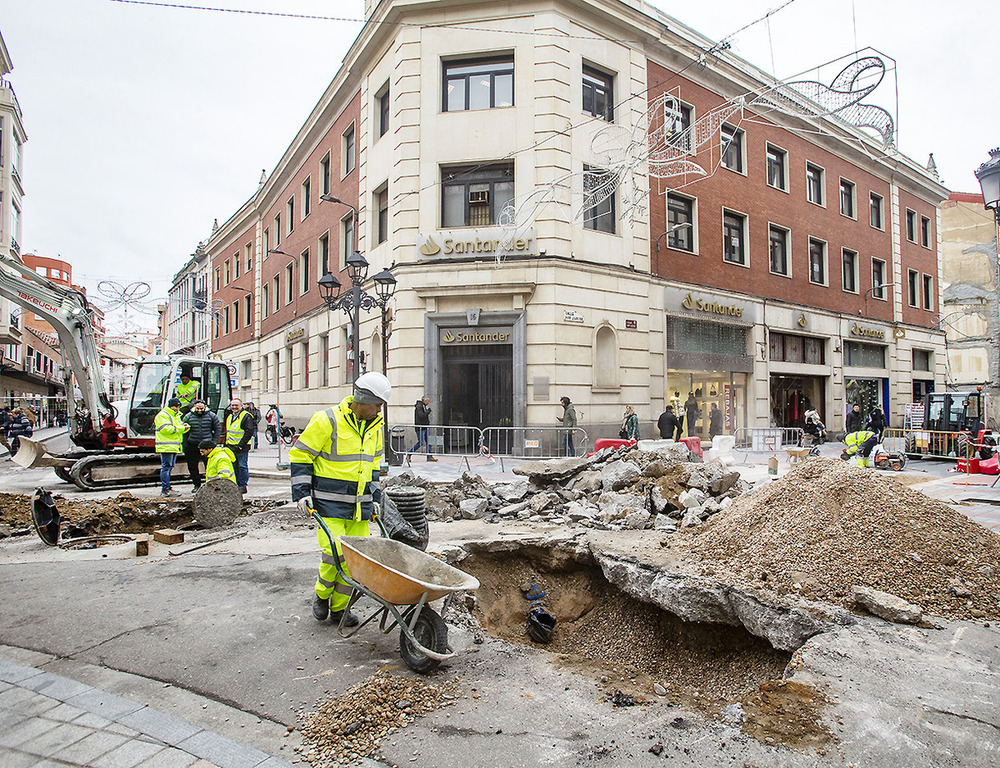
117 471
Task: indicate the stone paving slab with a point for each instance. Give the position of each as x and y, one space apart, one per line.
50 720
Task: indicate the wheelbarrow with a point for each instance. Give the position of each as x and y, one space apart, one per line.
402 580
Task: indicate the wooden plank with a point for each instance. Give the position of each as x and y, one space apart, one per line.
142 545
168 536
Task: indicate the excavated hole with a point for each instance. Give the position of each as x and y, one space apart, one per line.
627 644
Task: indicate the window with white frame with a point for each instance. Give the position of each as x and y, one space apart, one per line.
277 230
598 94
850 270
732 148
928 291
677 120
875 210
382 111
913 287
911 225
778 249
264 305
289 283
306 197
734 237
382 222
236 316
681 226
277 292
847 198
290 214
878 279
925 232
248 312
304 272
817 261
347 237
814 184
349 150
474 196
236 265
324 253
324 175
777 168
599 199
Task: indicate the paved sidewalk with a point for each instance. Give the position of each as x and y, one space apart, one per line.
48 720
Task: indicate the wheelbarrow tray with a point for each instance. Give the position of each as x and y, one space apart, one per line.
399 574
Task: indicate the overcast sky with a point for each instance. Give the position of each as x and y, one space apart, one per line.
146 123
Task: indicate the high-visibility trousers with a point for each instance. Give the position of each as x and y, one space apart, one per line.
329 584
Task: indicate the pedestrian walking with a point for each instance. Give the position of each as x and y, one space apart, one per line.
169 441
221 461
854 420
630 425
255 413
202 425
4 422
714 421
668 424
568 420
237 434
336 463
19 426
422 420
876 421
692 412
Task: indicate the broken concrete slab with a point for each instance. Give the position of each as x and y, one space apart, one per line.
887 606
619 474
472 509
512 492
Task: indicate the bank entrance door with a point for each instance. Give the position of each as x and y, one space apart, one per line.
477 387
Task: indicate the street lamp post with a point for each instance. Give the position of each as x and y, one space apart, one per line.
988 175
871 292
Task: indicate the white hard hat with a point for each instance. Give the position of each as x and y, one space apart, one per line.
372 388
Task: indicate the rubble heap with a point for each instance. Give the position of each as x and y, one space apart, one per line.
615 489
828 526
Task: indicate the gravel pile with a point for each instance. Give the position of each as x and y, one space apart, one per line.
348 727
827 526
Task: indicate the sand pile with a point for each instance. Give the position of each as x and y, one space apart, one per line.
827 526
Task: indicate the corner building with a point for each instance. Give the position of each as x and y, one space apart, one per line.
801 267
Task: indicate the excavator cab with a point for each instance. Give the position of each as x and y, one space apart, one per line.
156 381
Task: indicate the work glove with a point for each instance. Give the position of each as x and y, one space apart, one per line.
306 505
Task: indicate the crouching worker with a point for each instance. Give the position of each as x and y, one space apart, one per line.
221 461
335 469
860 444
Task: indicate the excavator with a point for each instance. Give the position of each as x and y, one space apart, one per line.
114 441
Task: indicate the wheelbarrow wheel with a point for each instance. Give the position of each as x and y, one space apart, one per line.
431 632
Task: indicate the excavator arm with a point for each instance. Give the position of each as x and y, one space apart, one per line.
92 421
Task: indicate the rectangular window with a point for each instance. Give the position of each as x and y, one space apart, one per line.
225 321
306 199
474 196
248 252
305 364
734 237
304 272
325 360
878 279
277 230
913 286
478 84
248 311
928 291
677 119
847 198
324 175
324 253
236 265
229 278
850 271
599 199
776 166
383 112
817 261
290 210
858 355
921 359
264 305
382 204
875 210
267 242
925 232
789 348
598 94
911 225
289 283
347 238
814 184
277 292
247 370
680 222
732 148
218 284
349 150
778 238
236 316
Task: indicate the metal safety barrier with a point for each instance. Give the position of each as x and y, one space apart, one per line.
533 442
461 441
767 439
930 443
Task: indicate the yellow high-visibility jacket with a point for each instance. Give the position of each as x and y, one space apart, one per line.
169 431
855 440
337 460
220 464
187 393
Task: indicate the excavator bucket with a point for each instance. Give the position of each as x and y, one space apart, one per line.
32 453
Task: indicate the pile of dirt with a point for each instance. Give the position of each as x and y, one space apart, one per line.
345 728
827 526
92 517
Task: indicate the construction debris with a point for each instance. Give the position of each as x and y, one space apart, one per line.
351 726
828 527
217 502
168 536
886 606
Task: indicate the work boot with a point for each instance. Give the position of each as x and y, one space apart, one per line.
321 607
431 458
169 492
350 621
243 489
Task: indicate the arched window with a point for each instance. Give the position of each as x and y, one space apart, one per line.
605 357
375 364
